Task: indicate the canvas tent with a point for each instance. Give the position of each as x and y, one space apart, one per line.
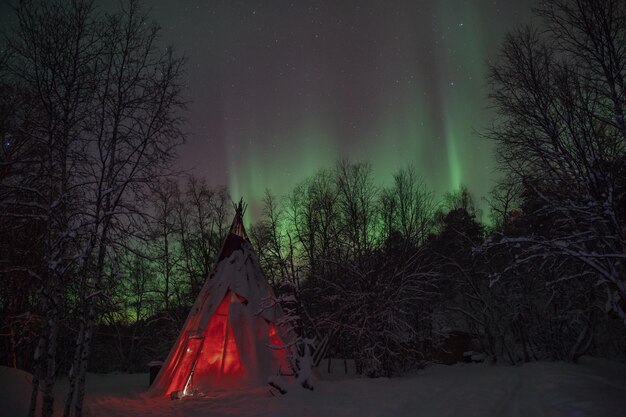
231 338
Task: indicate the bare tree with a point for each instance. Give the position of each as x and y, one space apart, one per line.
107 100
272 241
559 93
356 201
166 196
202 216
407 206
51 57
312 219
135 129
504 202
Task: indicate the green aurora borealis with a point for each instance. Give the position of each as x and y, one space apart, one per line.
281 89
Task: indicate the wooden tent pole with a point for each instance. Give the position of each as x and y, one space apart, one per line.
193 367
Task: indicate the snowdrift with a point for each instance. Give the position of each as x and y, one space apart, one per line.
15 389
594 387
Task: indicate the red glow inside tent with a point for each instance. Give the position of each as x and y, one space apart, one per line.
213 353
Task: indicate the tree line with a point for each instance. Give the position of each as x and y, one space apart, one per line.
388 272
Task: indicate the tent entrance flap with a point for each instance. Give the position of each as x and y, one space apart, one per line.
189 355
189 384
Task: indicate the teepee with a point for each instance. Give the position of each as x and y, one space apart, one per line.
232 337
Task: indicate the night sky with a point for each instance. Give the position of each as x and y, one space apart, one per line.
280 89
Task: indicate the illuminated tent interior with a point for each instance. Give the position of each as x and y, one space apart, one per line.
231 338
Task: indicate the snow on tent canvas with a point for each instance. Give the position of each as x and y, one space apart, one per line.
231 338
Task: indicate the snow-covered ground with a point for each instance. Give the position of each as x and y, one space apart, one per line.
594 387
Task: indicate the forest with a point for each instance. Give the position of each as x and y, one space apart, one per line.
105 244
